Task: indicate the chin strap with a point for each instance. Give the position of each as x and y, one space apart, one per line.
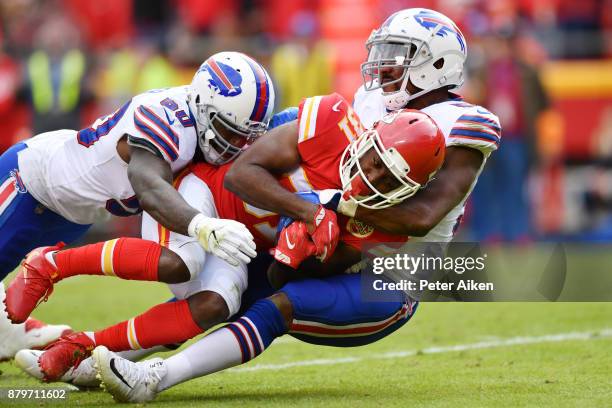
399 99
210 154
208 136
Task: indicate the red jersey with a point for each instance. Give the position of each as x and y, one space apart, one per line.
327 125
261 223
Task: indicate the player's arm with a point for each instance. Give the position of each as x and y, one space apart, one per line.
419 214
151 179
253 177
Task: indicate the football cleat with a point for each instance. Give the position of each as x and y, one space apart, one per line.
33 284
127 381
66 353
82 376
31 334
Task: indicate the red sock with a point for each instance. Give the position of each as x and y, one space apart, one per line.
126 258
163 324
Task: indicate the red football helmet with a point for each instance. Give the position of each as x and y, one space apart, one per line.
411 146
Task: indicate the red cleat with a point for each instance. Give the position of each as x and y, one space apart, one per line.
64 354
33 284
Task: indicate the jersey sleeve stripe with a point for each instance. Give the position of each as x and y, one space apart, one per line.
474 135
158 141
480 119
161 124
306 109
311 124
263 90
459 131
475 127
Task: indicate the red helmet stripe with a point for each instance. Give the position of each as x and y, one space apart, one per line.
213 64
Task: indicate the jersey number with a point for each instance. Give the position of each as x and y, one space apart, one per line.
179 114
87 137
267 228
350 125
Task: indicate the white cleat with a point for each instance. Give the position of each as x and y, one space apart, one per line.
127 381
84 375
31 334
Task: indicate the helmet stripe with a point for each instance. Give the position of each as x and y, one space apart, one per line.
263 91
220 75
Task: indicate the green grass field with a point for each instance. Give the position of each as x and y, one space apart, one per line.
569 370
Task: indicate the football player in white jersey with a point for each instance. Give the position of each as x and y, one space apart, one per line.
415 59
55 185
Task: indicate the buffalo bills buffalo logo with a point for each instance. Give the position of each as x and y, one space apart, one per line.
431 20
224 79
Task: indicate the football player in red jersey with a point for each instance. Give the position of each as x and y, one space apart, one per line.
142 332
415 60
380 168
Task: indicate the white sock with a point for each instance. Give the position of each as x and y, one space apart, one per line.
215 352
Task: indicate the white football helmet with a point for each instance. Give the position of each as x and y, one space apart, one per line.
426 45
232 99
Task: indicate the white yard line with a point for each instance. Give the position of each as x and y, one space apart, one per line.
512 341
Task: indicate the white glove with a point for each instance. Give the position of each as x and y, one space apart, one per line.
228 239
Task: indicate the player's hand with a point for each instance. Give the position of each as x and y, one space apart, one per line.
294 245
228 239
324 231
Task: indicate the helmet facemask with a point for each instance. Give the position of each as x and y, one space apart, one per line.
220 138
425 69
387 52
355 183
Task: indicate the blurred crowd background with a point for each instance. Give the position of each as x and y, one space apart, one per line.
543 66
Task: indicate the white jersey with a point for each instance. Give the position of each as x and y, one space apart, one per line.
462 124
80 175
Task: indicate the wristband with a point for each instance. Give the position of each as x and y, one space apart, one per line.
194 225
347 207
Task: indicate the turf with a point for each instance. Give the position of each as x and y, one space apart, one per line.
564 373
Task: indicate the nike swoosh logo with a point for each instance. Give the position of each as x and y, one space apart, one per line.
289 244
336 106
168 117
117 373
